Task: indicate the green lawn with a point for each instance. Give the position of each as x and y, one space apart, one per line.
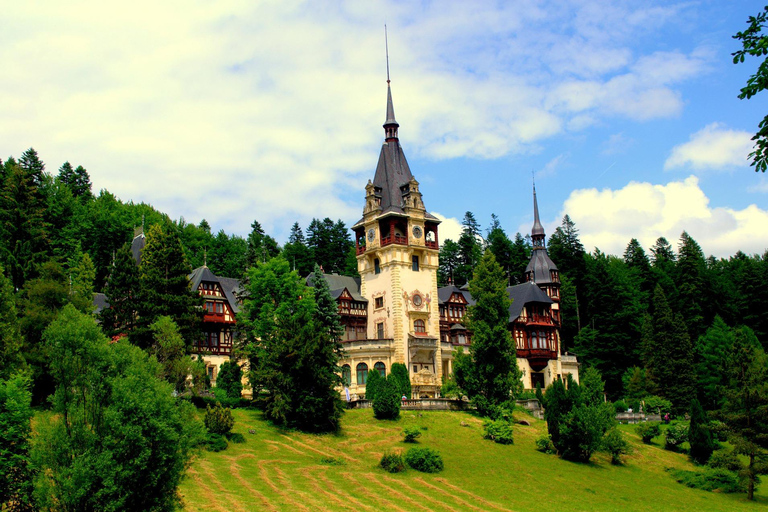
277 470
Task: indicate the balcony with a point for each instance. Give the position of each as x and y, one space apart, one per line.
537 319
353 311
397 239
217 350
218 318
360 249
431 244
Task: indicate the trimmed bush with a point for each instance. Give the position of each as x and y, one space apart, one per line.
218 420
392 462
374 385
699 436
400 378
657 405
386 405
620 406
720 480
499 431
648 430
215 443
725 459
410 434
615 444
544 444
230 379
676 435
425 460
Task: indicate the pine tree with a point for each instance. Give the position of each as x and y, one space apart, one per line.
400 378
169 349
261 246
470 249
745 410
712 349
82 273
669 355
296 251
164 288
699 435
293 356
230 379
374 384
327 314
11 357
691 285
489 374
33 167
449 263
121 293
521 255
501 246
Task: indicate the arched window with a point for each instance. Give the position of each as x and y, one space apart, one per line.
418 326
381 368
346 374
362 374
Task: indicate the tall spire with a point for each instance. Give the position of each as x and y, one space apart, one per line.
537 233
390 125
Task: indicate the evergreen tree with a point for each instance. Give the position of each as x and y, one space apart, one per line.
261 246
293 356
711 350
470 249
691 285
669 355
62 217
400 378
164 288
501 246
699 435
386 403
82 273
15 429
327 314
449 263
567 252
640 268
296 251
489 374
374 385
230 379
521 255
22 226
33 167
330 244
745 410
121 292
11 357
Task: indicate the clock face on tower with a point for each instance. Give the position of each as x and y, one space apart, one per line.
417 231
371 234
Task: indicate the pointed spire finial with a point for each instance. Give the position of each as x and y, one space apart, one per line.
391 124
537 233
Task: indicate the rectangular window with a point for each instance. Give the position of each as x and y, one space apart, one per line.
209 307
376 267
380 330
415 263
219 307
379 302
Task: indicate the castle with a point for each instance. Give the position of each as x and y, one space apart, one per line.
395 312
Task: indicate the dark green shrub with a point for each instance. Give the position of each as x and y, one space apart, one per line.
230 379
620 406
392 462
386 405
675 436
725 459
400 378
648 430
499 431
450 389
236 437
374 384
218 420
527 395
332 461
410 434
719 430
720 480
582 431
544 444
425 460
215 442
615 444
699 436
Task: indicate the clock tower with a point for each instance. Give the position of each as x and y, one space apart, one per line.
397 258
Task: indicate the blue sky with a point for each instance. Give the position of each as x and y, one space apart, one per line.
626 112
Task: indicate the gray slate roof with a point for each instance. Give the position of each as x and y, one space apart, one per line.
520 294
137 246
540 264
229 285
338 284
100 301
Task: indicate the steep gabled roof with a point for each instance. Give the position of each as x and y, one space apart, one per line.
523 294
444 294
229 285
338 284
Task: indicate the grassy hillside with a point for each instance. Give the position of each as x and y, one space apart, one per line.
277 470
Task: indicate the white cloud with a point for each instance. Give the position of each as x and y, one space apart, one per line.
450 227
608 219
761 186
714 147
238 110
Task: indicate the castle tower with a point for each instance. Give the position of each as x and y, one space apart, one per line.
541 269
397 258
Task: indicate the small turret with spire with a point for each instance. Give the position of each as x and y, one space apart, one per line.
541 269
